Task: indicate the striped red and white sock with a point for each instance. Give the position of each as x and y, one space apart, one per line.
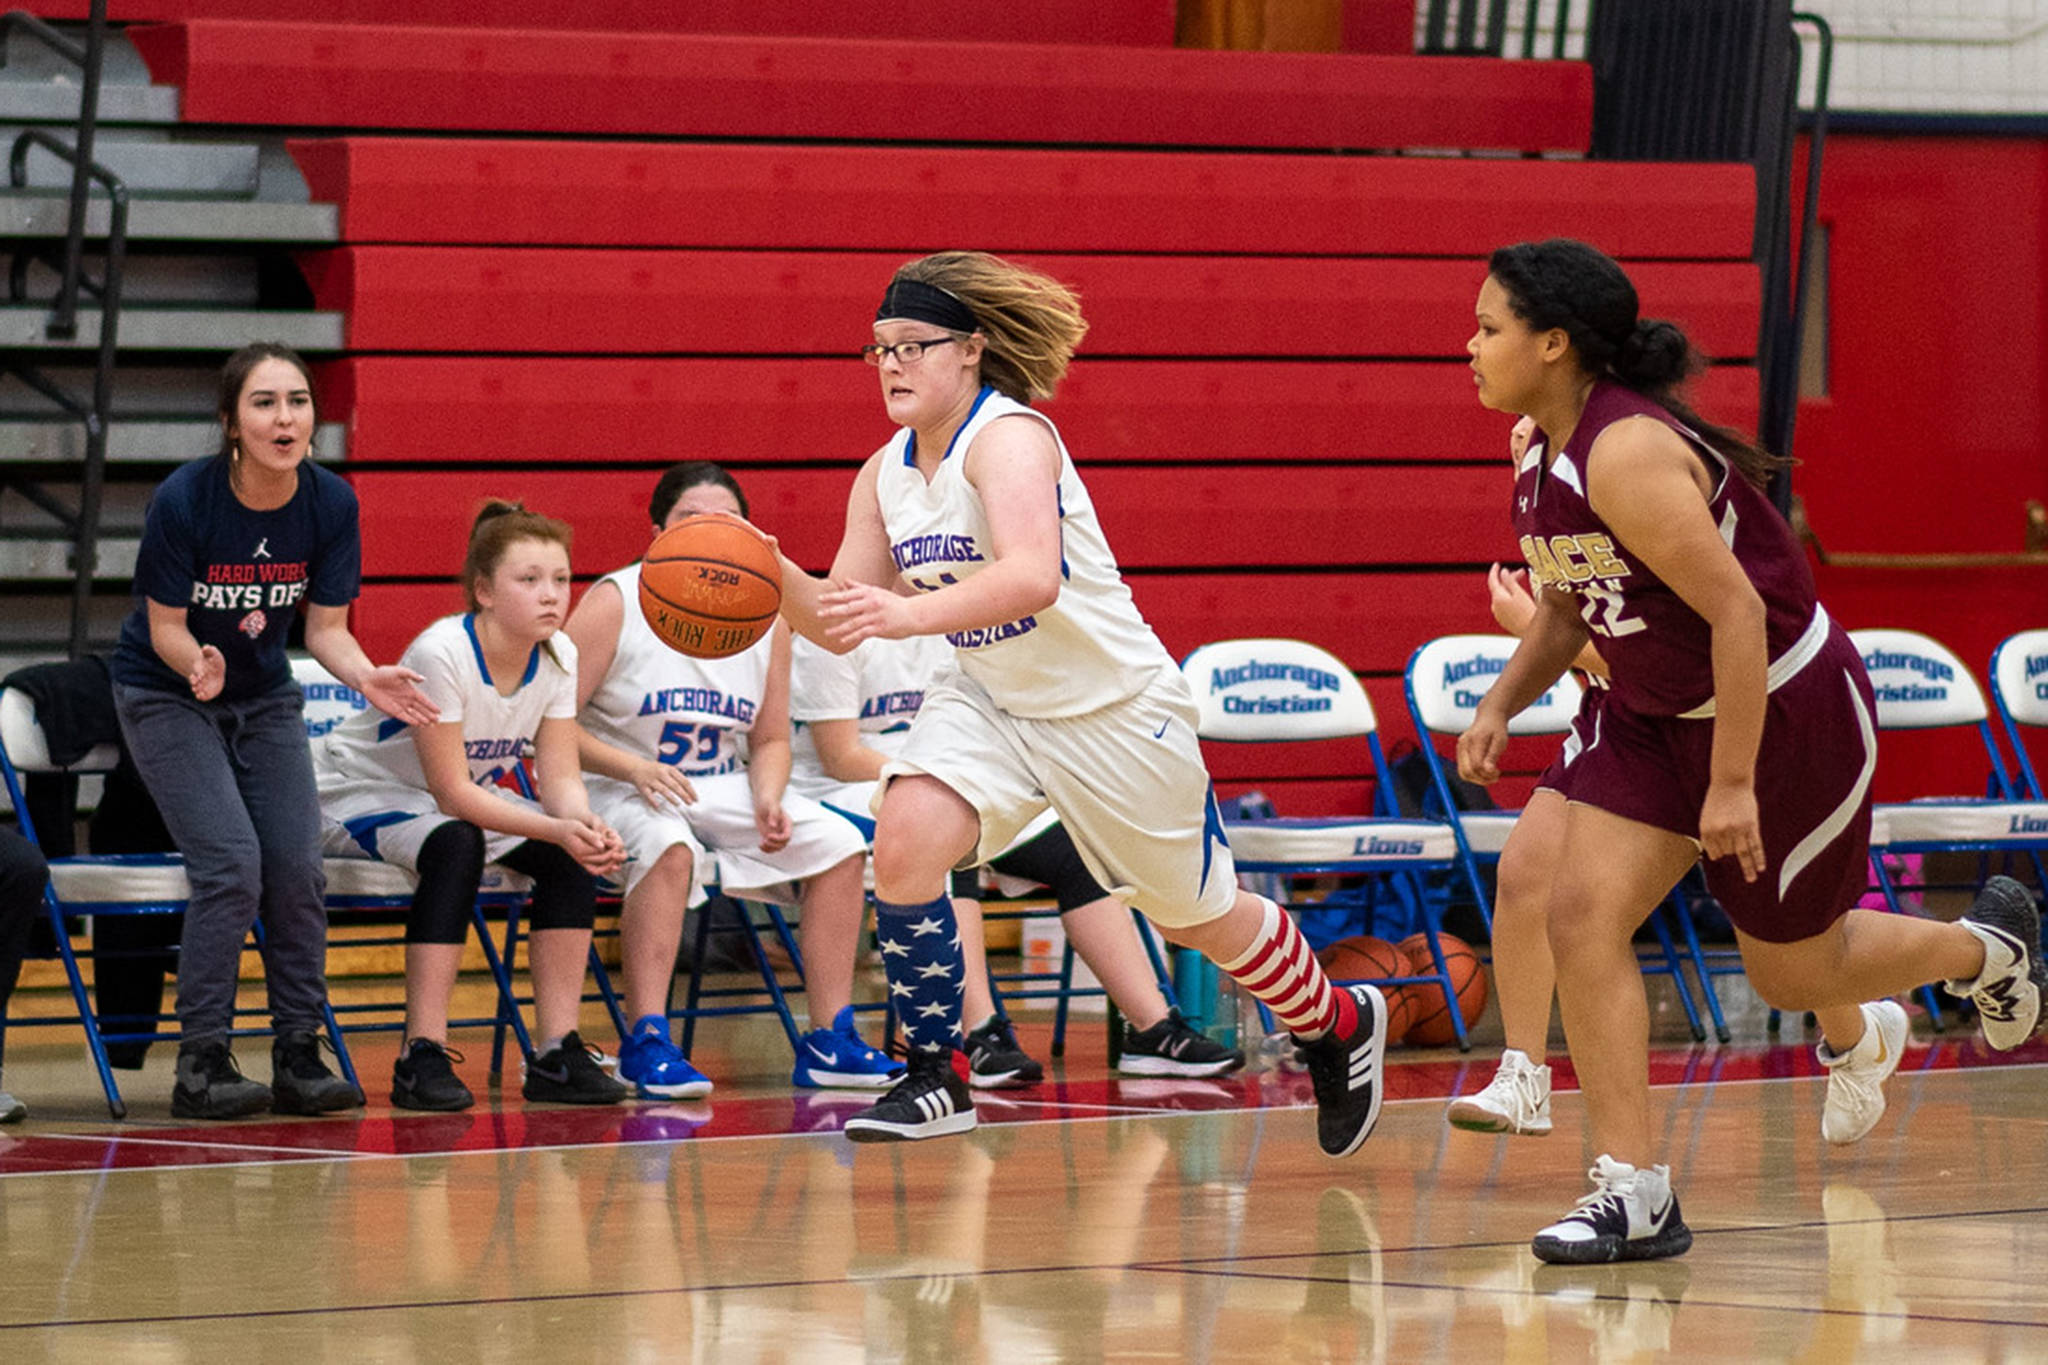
1280 969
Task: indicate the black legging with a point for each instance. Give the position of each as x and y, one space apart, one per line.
1051 860
23 874
452 863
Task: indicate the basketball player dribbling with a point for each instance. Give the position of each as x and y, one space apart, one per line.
1739 728
972 523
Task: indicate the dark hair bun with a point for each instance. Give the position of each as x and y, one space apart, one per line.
492 510
1655 355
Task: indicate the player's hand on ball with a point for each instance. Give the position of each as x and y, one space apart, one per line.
772 822
209 674
861 611
1480 748
1729 827
395 690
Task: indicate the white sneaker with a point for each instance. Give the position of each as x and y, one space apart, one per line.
12 1110
1631 1215
1856 1078
2007 992
1516 1100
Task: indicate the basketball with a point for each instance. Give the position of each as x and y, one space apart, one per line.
710 586
1432 1024
1362 958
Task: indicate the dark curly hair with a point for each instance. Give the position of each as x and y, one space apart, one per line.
1582 292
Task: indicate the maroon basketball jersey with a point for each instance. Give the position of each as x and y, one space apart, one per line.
1660 650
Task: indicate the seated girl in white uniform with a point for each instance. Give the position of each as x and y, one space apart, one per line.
852 714
427 798
663 737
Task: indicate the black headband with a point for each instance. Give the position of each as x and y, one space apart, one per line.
916 301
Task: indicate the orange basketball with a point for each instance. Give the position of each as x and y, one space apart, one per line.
1362 958
1404 1009
1432 1025
710 586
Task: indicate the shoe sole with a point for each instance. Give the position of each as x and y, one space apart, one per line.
401 1100
1166 1066
845 1080
187 1109
311 1109
1473 1119
1673 1241
689 1090
873 1130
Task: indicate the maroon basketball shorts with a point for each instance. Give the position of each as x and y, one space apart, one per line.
1813 774
1585 725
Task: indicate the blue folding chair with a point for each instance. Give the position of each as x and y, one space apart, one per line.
105 884
1445 680
2019 691
1268 691
1922 685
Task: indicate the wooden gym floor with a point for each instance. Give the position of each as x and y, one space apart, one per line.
1088 1219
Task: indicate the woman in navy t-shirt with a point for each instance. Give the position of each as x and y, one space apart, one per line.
209 709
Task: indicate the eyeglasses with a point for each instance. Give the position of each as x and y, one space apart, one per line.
903 352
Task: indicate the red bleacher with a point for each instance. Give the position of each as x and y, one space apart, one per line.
555 409
461 191
1041 21
506 299
694 85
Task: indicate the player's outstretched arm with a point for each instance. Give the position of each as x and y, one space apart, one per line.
863 558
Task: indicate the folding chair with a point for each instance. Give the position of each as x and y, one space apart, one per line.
2019 690
1282 691
1922 685
107 884
1445 680
364 884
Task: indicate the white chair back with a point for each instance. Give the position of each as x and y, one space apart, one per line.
329 701
1449 675
1267 689
1920 683
28 748
2019 676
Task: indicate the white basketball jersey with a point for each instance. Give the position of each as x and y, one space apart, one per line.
880 683
1087 650
497 731
667 705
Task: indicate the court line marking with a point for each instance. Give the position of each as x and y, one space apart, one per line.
1104 1116
1204 1266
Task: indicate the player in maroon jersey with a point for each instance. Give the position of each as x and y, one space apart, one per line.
1739 729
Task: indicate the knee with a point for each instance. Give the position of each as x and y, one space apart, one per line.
904 866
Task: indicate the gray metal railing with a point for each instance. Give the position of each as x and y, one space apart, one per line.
84 524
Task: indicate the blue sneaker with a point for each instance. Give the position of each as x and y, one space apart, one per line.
656 1067
836 1059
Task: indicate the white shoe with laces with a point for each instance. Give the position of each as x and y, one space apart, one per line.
1631 1215
2007 992
1516 1100
1856 1078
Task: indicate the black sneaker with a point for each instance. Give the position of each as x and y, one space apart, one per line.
422 1078
1172 1048
569 1074
301 1083
1346 1072
2007 992
930 1101
995 1062
211 1086
1631 1215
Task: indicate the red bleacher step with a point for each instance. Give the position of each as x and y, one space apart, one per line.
455 299
508 80
1040 21
524 409
552 193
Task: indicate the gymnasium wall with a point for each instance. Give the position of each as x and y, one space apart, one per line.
1929 438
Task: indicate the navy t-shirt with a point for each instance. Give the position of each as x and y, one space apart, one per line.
239 573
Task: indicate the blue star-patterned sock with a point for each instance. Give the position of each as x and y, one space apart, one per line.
921 953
